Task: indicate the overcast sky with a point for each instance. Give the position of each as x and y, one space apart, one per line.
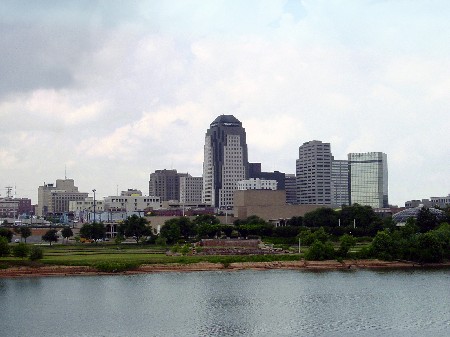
110 91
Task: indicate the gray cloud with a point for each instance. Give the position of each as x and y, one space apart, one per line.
115 91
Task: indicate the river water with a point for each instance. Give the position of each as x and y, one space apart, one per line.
221 303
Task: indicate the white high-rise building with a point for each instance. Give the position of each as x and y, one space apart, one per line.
225 161
313 171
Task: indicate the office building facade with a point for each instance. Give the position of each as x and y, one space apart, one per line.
368 179
290 186
165 184
225 161
313 171
54 199
191 190
339 183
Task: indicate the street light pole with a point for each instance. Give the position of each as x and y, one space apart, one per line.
94 202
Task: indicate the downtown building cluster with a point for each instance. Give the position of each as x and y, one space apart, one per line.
319 180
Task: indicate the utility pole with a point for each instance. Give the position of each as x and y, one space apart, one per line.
94 202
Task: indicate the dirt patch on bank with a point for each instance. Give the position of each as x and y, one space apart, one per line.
15 272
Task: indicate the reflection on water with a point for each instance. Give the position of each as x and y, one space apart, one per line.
244 303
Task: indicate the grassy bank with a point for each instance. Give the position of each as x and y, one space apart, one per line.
114 257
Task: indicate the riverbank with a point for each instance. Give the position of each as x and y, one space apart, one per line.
41 271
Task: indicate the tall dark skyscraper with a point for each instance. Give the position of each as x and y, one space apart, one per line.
225 160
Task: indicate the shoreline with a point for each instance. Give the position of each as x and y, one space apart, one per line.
329 265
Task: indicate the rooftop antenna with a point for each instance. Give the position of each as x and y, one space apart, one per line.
8 191
65 172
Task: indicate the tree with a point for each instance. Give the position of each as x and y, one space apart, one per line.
320 251
321 217
430 248
25 232
94 231
171 231
347 242
227 229
4 247
187 228
321 235
66 232
36 253
295 221
206 218
306 236
6 233
135 226
426 220
253 225
50 236
362 216
286 231
21 250
207 230
86 231
383 246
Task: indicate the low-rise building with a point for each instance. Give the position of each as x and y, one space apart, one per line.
440 202
134 203
13 207
256 184
267 204
54 199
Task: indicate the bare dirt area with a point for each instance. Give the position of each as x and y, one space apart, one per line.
42 271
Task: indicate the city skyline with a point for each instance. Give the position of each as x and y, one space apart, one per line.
107 94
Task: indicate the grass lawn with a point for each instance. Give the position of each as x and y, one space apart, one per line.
133 255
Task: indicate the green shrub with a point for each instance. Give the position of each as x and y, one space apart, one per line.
36 253
115 267
21 250
320 251
185 249
119 239
4 247
161 241
364 253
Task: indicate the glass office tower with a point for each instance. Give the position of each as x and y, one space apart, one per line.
368 174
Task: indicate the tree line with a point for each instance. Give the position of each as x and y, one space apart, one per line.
425 239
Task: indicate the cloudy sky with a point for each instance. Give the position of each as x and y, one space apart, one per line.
110 91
